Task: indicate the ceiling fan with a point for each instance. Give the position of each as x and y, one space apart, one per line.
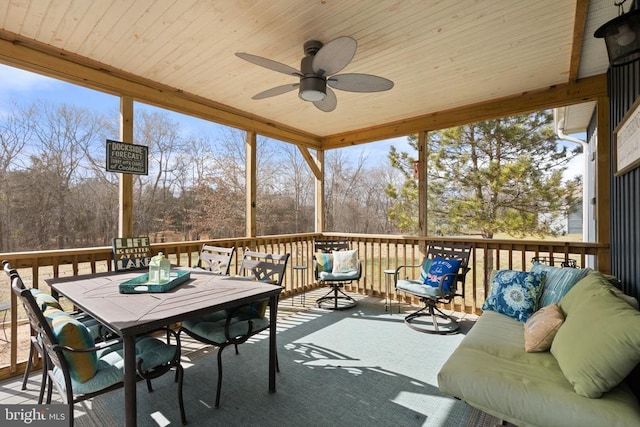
318 70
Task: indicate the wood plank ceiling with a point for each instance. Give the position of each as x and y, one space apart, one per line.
450 61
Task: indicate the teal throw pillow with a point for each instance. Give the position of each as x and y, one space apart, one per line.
325 262
426 266
514 293
443 270
558 281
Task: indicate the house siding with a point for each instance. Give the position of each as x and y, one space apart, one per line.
624 88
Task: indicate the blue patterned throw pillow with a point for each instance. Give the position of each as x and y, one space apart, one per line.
441 267
514 293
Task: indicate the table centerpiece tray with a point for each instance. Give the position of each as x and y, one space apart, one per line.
141 284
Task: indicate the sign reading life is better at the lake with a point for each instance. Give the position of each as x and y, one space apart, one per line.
131 252
127 158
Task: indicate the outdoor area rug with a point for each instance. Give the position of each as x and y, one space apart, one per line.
357 367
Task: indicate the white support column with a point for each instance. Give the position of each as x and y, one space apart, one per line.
251 183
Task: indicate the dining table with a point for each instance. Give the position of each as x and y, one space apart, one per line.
133 314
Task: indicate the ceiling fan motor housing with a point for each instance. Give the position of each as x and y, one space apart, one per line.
312 86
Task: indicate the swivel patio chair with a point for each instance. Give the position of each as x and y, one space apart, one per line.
235 326
442 278
216 259
335 264
80 369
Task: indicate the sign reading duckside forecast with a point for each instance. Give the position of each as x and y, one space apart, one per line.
127 158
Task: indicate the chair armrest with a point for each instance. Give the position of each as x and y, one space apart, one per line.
400 268
227 324
99 346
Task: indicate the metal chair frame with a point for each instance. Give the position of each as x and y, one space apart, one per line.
260 266
336 293
431 308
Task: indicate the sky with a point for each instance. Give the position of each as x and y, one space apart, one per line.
26 87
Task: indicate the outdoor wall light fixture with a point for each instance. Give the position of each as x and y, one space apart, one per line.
622 35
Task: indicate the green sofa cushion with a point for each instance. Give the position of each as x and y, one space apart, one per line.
491 371
598 345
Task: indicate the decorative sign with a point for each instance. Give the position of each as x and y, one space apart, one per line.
127 158
131 252
627 141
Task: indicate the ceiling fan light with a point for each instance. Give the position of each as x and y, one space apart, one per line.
312 95
313 89
622 37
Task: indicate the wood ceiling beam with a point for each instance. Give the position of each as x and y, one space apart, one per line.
582 9
31 56
582 90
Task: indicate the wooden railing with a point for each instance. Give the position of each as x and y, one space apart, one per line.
377 252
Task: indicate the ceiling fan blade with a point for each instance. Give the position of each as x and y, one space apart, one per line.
278 90
329 103
355 82
334 56
270 64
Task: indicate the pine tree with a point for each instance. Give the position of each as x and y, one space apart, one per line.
497 176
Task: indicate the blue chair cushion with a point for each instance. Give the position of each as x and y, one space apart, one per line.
110 365
417 287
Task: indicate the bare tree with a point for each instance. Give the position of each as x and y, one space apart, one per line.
15 133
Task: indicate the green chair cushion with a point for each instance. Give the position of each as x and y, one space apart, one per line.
70 332
214 331
417 287
598 345
333 277
110 363
44 300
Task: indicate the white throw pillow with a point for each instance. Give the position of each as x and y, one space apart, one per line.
344 261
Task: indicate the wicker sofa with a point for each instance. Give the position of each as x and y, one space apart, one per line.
587 378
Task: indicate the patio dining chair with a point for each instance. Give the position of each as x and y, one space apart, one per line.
235 326
216 259
442 278
335 264
43 299
78 367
